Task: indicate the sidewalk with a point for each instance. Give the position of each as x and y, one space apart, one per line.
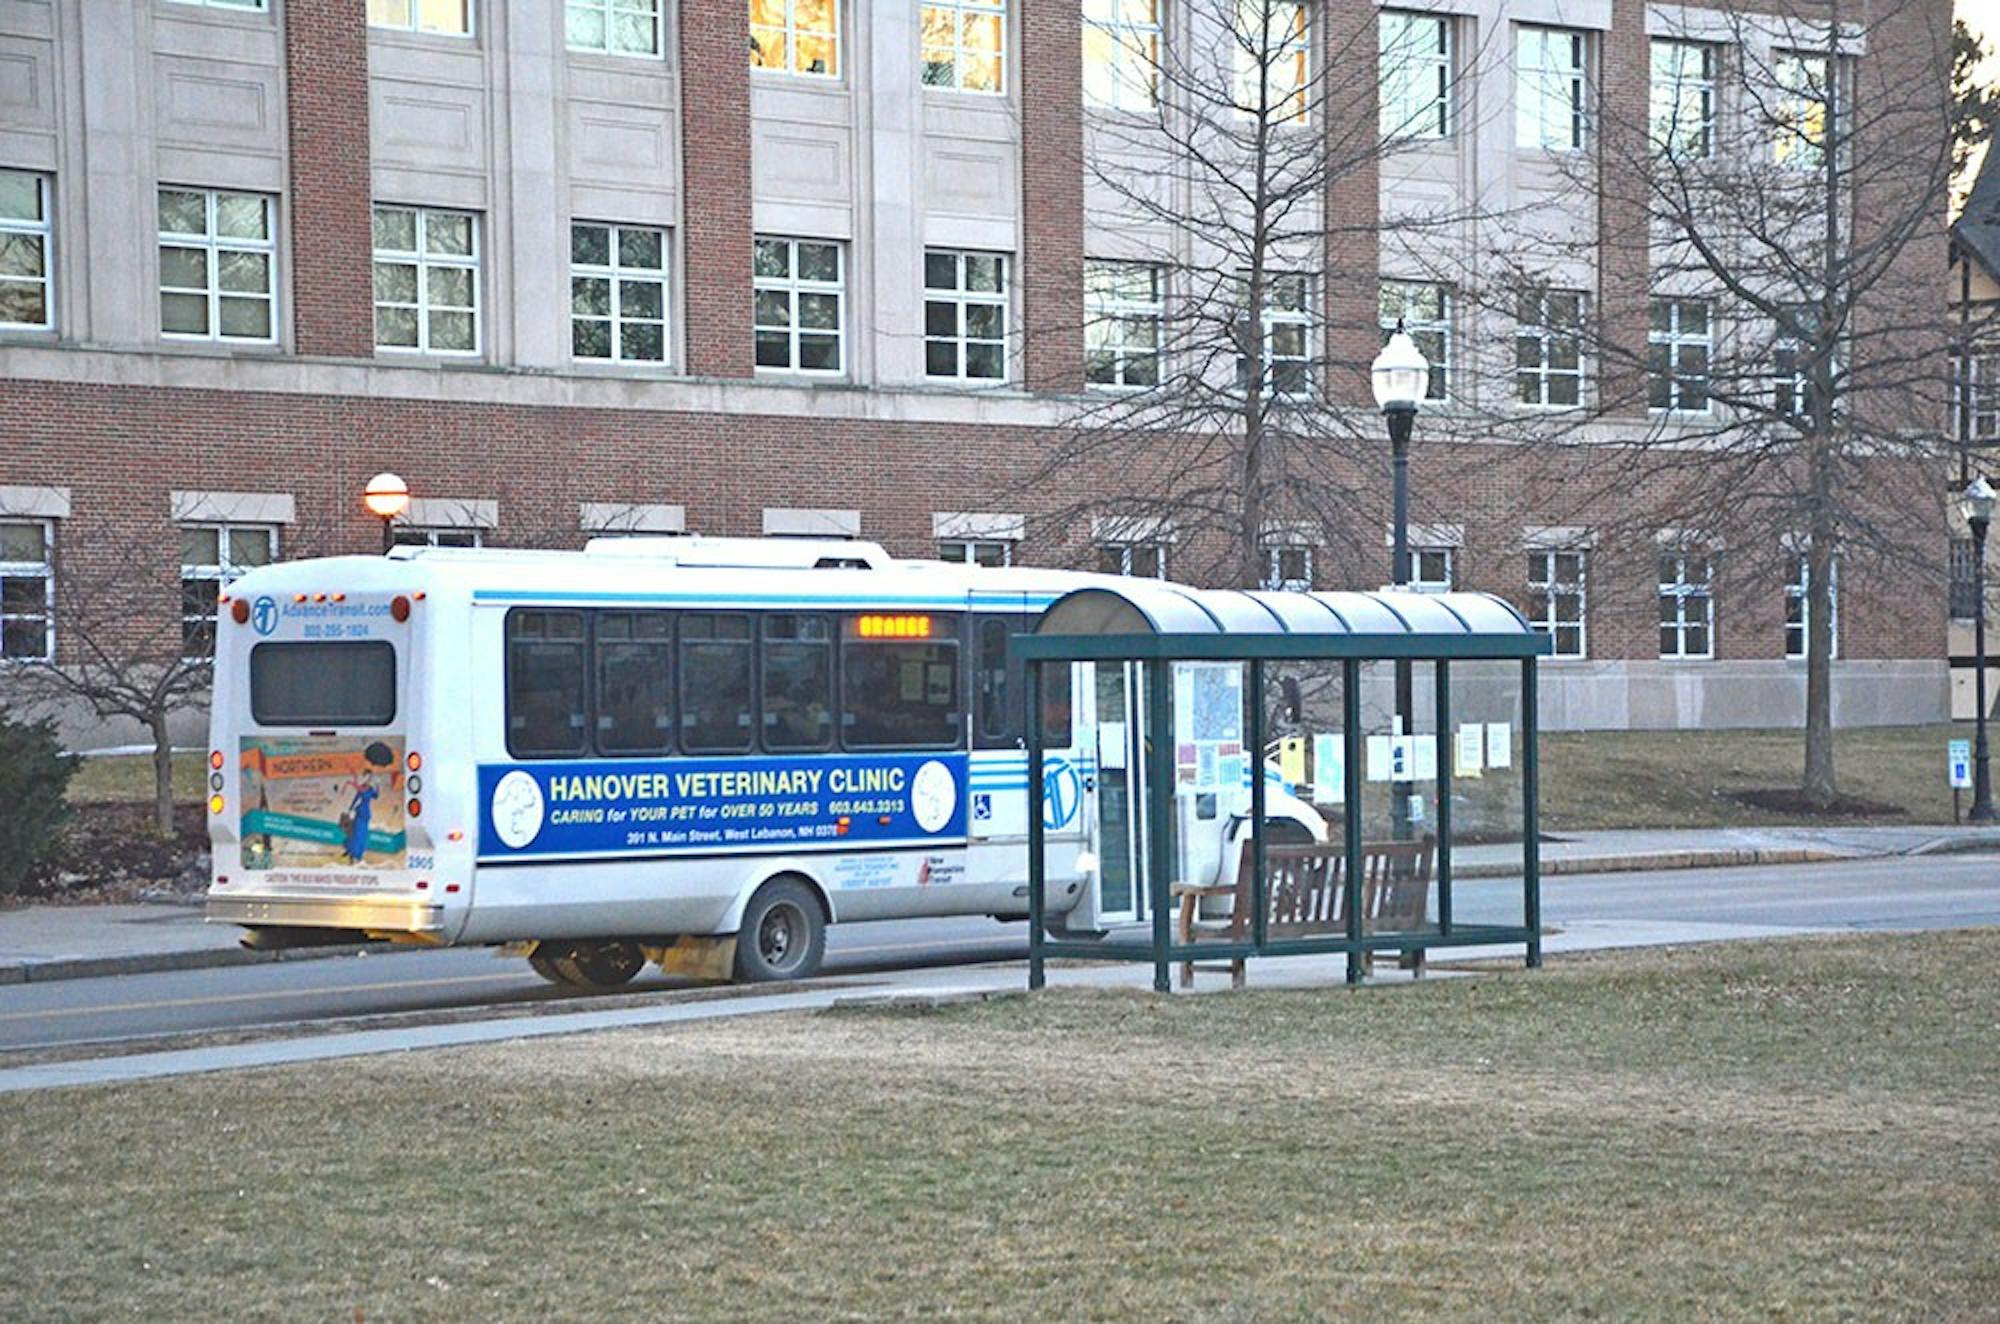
40 943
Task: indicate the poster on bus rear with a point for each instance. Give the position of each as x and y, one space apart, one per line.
322 802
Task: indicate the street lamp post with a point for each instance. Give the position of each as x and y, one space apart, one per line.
1400 375
1976 504
386 497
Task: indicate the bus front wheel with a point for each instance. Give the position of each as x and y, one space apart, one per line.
783 934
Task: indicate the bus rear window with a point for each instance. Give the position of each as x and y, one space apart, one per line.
352 683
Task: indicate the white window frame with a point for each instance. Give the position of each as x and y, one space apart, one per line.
792 285
961 299
1541 329
1415 52
1130 75
1275 578
413 19
223 572
957 12
791 32
212 246
1444 557
1793 146
977 551
1286 74
1983 394
42 234
1294 309
1678 594
1551 68
618 276
1547 589
1156 547
44 570
1110 315
1798 607
424 261
1671 93
1396 306
432 535
607 11
1672 334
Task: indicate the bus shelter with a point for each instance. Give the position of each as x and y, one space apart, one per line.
1282 773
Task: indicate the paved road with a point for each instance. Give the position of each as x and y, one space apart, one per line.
1911 893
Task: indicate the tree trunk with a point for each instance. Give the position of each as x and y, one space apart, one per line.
163 777
1819 600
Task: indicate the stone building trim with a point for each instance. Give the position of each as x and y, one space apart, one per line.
620 517
808 522
34 502
1558 538
451 513
978 524
231 507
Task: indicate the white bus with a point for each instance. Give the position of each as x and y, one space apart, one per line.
695 751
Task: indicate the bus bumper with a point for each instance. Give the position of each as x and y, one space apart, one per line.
368 914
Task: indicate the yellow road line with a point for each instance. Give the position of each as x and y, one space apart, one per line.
251 997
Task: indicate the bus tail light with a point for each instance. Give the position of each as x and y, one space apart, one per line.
215 804
239 611
416 808
215 759
416 760
399 607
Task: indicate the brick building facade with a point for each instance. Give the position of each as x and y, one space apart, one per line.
577 267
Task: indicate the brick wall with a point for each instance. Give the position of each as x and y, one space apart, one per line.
1052 193
1623 156
715 182
326 93
1347 118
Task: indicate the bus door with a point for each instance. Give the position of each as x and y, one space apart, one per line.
1120 812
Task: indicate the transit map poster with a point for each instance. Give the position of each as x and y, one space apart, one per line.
651 807
322 802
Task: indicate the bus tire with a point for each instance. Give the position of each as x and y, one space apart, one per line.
783 934
600 965
545 966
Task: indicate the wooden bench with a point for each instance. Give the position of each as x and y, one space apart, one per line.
1306 891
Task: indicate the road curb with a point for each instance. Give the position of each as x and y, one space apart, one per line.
149 963
1719 858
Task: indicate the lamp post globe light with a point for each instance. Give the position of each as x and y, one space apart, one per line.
1976 504
386 497
1400 375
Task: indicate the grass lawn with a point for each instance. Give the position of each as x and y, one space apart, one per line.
129 778
1794 1130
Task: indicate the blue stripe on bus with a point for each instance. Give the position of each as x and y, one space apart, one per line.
827 602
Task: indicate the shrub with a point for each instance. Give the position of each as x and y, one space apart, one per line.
33 778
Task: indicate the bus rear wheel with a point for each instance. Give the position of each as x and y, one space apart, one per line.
596 965
783 934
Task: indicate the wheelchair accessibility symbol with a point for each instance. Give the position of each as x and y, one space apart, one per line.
1062 793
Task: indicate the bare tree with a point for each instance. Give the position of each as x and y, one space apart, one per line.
1235 178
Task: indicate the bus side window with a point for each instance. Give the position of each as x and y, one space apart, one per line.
992 682
1056 731
900 692
634 682
545 690
797 682
715 683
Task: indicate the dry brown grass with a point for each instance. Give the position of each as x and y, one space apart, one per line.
1798 1129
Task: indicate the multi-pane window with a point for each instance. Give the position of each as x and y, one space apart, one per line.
451 17
1287 338
1794 393
801 290
1962 585
1679 342
27 582
796 37
1801 109
218 266
1289 567
24 251
406 535
615 27
1415 74
965 315
1551 85
1430 569
1423 310
426 280
1273 60
1548 348
1144 560
618 292
1975 399
1687 606
976 551
1124 307
1683 99
212 557
1556 598
965 45
1121 54
1798 607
